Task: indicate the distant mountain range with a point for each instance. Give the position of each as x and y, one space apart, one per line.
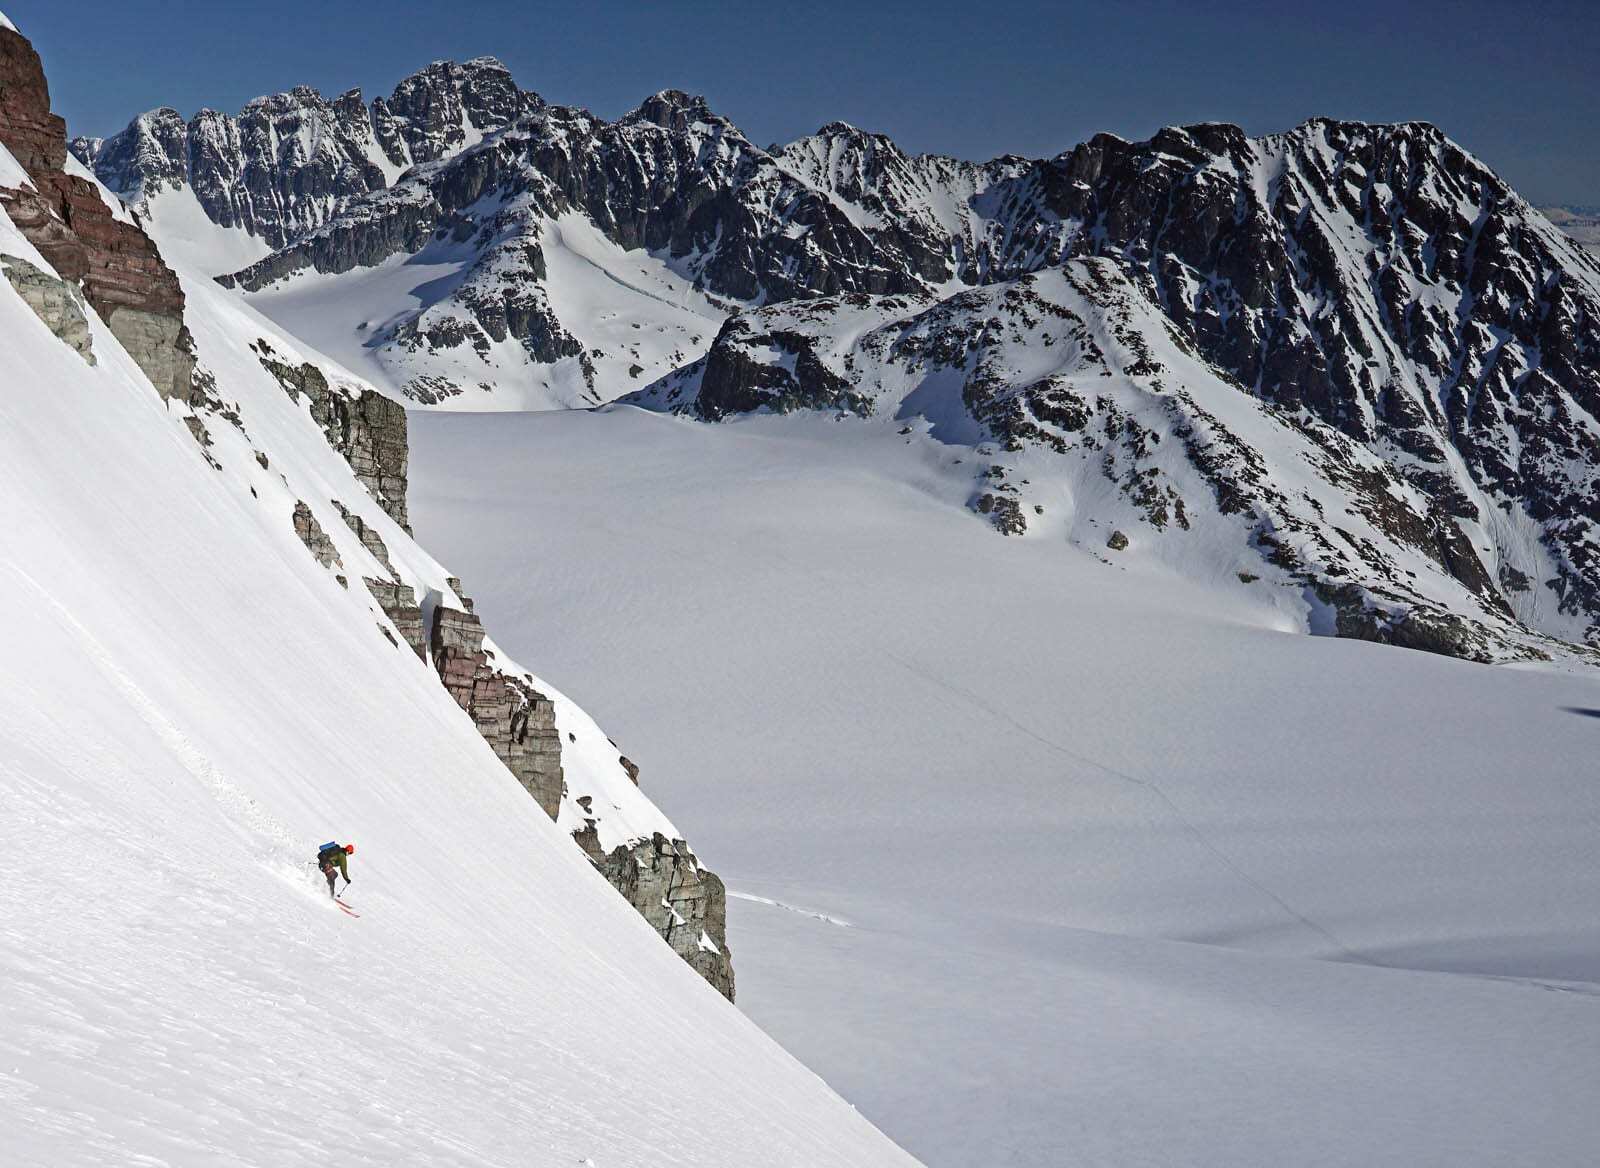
1347 364
1582 223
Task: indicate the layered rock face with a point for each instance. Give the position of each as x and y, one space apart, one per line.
81 235
287 162
513 717
660 877
365 427
685 903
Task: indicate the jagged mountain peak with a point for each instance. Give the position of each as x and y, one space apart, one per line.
672 109
851 132
287 161
446 66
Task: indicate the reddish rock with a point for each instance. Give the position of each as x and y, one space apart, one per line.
121 272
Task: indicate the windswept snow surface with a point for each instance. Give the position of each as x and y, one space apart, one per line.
1130 876
189 705
188 239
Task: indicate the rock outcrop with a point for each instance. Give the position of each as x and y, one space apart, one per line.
685 903
56 302
316 539
399 603
515 719
660 877
89 241
369 538
368 429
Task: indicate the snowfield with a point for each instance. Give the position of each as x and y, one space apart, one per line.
189 705
635 316
1047 857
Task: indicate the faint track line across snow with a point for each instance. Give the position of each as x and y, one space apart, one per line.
1154 789
805 912
256 822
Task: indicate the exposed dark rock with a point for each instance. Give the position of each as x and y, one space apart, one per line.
314 537
684 902
369 538
368 429
399 604
735 383
513 717
289 161
661 878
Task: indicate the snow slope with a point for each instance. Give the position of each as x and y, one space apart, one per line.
189 705
1040 859
188 238
629 313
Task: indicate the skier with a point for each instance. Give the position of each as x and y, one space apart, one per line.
331 858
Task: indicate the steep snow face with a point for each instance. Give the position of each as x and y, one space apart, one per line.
12 174
194 703
1085 416
1046 858
190 239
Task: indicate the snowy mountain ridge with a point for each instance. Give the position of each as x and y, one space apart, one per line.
288 161
1378 282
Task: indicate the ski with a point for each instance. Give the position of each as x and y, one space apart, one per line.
345 907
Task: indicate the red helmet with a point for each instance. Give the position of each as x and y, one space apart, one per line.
350 849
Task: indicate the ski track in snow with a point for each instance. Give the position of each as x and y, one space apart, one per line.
1155 790
255 826
805 912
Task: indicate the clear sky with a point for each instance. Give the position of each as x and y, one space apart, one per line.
1515 83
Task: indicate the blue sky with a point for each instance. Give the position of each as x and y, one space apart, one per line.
1516 84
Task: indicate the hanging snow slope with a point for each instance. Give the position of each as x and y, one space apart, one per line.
1050 962
190 705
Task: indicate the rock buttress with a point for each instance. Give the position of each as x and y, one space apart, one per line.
116 264
684 902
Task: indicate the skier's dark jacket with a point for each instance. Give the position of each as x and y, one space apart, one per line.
332 855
